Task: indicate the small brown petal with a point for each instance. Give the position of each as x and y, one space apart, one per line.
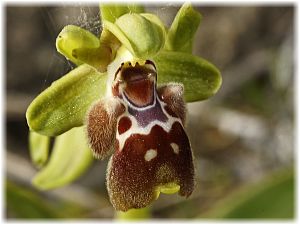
101 126
172 94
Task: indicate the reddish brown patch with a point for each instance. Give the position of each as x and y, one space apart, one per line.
124 125
140 93
132 179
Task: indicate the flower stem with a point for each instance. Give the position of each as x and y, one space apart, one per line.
134 214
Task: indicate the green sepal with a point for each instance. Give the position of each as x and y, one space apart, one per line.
183 29
74 37
111 12
96 57
39 148
64 104
200 78
100 57
70 158
142 34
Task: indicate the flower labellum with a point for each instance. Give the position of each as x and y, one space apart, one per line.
144 124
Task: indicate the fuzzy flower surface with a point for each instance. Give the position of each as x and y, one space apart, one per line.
125 99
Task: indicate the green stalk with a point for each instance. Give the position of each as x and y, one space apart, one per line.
134 214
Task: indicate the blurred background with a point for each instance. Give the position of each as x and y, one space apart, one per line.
243 137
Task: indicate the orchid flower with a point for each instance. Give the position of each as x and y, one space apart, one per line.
126 98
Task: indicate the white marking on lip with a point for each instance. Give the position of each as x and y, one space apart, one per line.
175 148
150 154
136 129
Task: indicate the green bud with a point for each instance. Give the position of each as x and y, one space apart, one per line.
142 34
111 12
73 37
183 29
39 148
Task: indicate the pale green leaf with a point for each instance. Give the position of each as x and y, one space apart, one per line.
183 29
71 157
111 12
39 148
142 34
74 37
24 203
64 104
272 197
200 78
